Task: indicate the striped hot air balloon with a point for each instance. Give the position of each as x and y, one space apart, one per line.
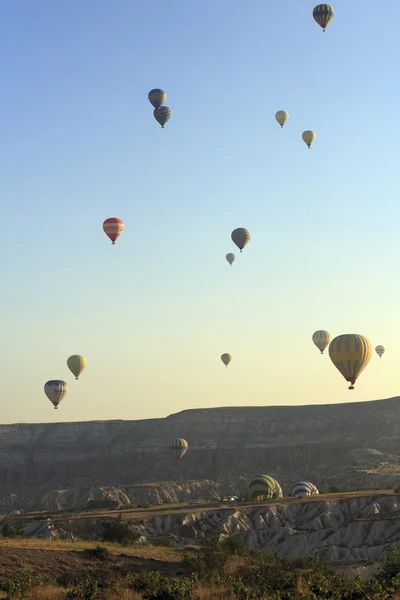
76 364
380 350
350 353
321 339
304 488
113 228
282 116
309 137
162 115
226 358
55 390
179 447
263 487
157 97
323 14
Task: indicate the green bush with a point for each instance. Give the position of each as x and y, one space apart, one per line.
101 552
20 584
13 532
235 544
84 590
209 562
118 530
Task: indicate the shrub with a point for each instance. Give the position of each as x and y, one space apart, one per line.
84 590
209 562
118 531
101 552
235 545
20 584
17 531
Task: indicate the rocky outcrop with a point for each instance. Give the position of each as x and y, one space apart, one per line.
65 464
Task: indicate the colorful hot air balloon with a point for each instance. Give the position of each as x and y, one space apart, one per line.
162 115
350 353
76 364
157 97
282 116
241 237
380 350
226 359
308 137
323 14
113 227
321 339
230 257
304 488
55 390
179 447
263 487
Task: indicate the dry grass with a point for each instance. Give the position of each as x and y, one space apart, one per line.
47 592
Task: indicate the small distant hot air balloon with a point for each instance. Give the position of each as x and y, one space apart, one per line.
179 447
350 353
308 137
282 116
380 350
321 339
76 364
55 390
162 115
226 359
230 258
323 14
157 97
113 227
241 237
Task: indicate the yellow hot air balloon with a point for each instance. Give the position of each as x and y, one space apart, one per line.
350 353
308 137
282 116
321 339
76 364
226 359
380 350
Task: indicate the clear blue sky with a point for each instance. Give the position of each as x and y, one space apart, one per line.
153 313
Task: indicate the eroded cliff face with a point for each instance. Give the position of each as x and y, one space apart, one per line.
345 445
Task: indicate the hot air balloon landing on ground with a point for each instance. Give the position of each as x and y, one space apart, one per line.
113 228
304 488
162 115
226 358
179 447
380 350
230 257
308 137
263 487
323 14
76 364
282 116
55 390
321 339
241 237
157 97
350 353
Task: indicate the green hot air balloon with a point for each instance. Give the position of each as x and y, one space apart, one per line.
76 364
162 115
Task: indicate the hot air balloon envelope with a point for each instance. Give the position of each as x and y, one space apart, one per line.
323 14
157 97
179 447
321 339
241 237
162 115
55 390
350 353
113 228
77 364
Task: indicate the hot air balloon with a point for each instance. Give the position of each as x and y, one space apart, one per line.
226 359
162 115
321 339
308 137
76 364
282 116
179 447
304 488
263 487
350 353
157 97
55 390
323 14
230 257
241 237
113 227
380 350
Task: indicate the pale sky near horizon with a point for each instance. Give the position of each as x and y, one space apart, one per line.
153 313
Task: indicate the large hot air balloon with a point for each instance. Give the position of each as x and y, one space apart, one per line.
157 97
321 339
304 488
113 227
323 14
380 350
162 115
226 358
263 487
308 137
76 364
55 390
350 353
282 116
179 447
230 257
241 237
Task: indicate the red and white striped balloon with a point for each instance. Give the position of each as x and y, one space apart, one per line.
113 227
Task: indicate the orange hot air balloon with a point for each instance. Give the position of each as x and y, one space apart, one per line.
113 228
